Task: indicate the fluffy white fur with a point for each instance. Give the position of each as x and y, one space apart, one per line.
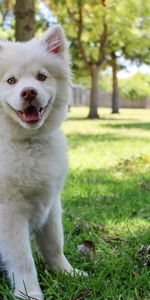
33 160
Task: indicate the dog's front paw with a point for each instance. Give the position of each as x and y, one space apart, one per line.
75 272
60 263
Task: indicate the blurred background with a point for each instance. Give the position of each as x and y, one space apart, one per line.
109 43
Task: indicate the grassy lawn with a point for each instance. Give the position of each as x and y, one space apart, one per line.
106 201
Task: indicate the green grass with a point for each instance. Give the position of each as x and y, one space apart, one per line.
107 201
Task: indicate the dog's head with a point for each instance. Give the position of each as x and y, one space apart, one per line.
34 77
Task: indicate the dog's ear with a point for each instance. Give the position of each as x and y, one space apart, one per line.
54 40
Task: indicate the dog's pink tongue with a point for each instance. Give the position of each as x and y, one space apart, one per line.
31 118
30 114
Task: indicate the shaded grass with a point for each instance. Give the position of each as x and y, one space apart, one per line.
107 201
133 125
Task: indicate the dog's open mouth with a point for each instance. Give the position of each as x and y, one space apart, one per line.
31 114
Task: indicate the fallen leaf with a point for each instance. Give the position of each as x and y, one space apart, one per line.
87 247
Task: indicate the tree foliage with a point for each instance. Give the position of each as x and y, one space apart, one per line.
136 87
85 24
6 19
137 47
100 30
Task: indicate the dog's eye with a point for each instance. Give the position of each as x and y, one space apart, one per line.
41 77
11 80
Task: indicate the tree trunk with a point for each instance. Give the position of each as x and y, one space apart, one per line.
25 20
115 93
93 113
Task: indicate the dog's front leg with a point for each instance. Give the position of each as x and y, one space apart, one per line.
51 240
16 253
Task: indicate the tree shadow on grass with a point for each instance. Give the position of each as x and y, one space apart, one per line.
105 194
133 125
108 118
83 138
79 139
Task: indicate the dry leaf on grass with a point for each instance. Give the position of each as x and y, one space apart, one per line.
88 247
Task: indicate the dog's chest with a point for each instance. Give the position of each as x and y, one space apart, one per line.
32 173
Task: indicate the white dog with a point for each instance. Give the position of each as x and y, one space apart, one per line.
34 95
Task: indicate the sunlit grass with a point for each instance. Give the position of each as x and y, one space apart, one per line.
95 143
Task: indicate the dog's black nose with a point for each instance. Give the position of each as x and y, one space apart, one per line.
29 94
